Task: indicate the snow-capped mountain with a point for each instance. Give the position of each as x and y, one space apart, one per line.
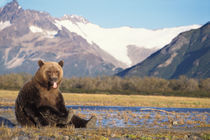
115 41
27 36
87 49
187 54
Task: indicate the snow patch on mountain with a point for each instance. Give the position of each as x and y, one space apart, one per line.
4 25
72 27
45 33
115 40
6 54
35 29
15 61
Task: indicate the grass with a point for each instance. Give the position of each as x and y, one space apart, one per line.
7 97
136 100
97 134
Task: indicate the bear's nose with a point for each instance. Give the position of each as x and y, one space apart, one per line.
53 79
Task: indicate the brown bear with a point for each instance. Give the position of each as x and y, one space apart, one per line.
40 102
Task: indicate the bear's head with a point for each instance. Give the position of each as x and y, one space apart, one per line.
49 74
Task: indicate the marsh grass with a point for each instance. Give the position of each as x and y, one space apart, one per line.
34 133
7 98
100 132
144 120
155 117
136 100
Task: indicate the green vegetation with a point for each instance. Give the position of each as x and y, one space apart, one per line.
116 85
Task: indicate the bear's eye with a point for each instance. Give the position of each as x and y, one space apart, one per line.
57 72
48 72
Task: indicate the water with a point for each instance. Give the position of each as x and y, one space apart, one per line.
117 116
137 109
152 117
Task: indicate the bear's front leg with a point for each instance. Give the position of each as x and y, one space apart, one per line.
35 117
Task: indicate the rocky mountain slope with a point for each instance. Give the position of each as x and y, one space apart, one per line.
27 36
188 54
87 49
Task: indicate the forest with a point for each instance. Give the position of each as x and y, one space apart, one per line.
182 86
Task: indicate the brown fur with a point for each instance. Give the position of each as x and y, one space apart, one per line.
38 95
40 102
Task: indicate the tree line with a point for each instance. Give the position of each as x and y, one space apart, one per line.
182 86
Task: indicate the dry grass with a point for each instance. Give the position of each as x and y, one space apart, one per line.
98 134
8 98
135 100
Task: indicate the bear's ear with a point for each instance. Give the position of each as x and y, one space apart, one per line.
40 63
61 63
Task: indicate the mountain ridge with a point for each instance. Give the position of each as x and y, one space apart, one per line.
115 41
30 35
188 54
87 49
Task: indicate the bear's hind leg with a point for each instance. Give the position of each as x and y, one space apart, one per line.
82 123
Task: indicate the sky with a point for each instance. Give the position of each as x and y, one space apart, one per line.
150 14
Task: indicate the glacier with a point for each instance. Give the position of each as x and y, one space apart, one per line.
115 40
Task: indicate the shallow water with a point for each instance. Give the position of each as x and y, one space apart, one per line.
151 117
117 116
137 109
